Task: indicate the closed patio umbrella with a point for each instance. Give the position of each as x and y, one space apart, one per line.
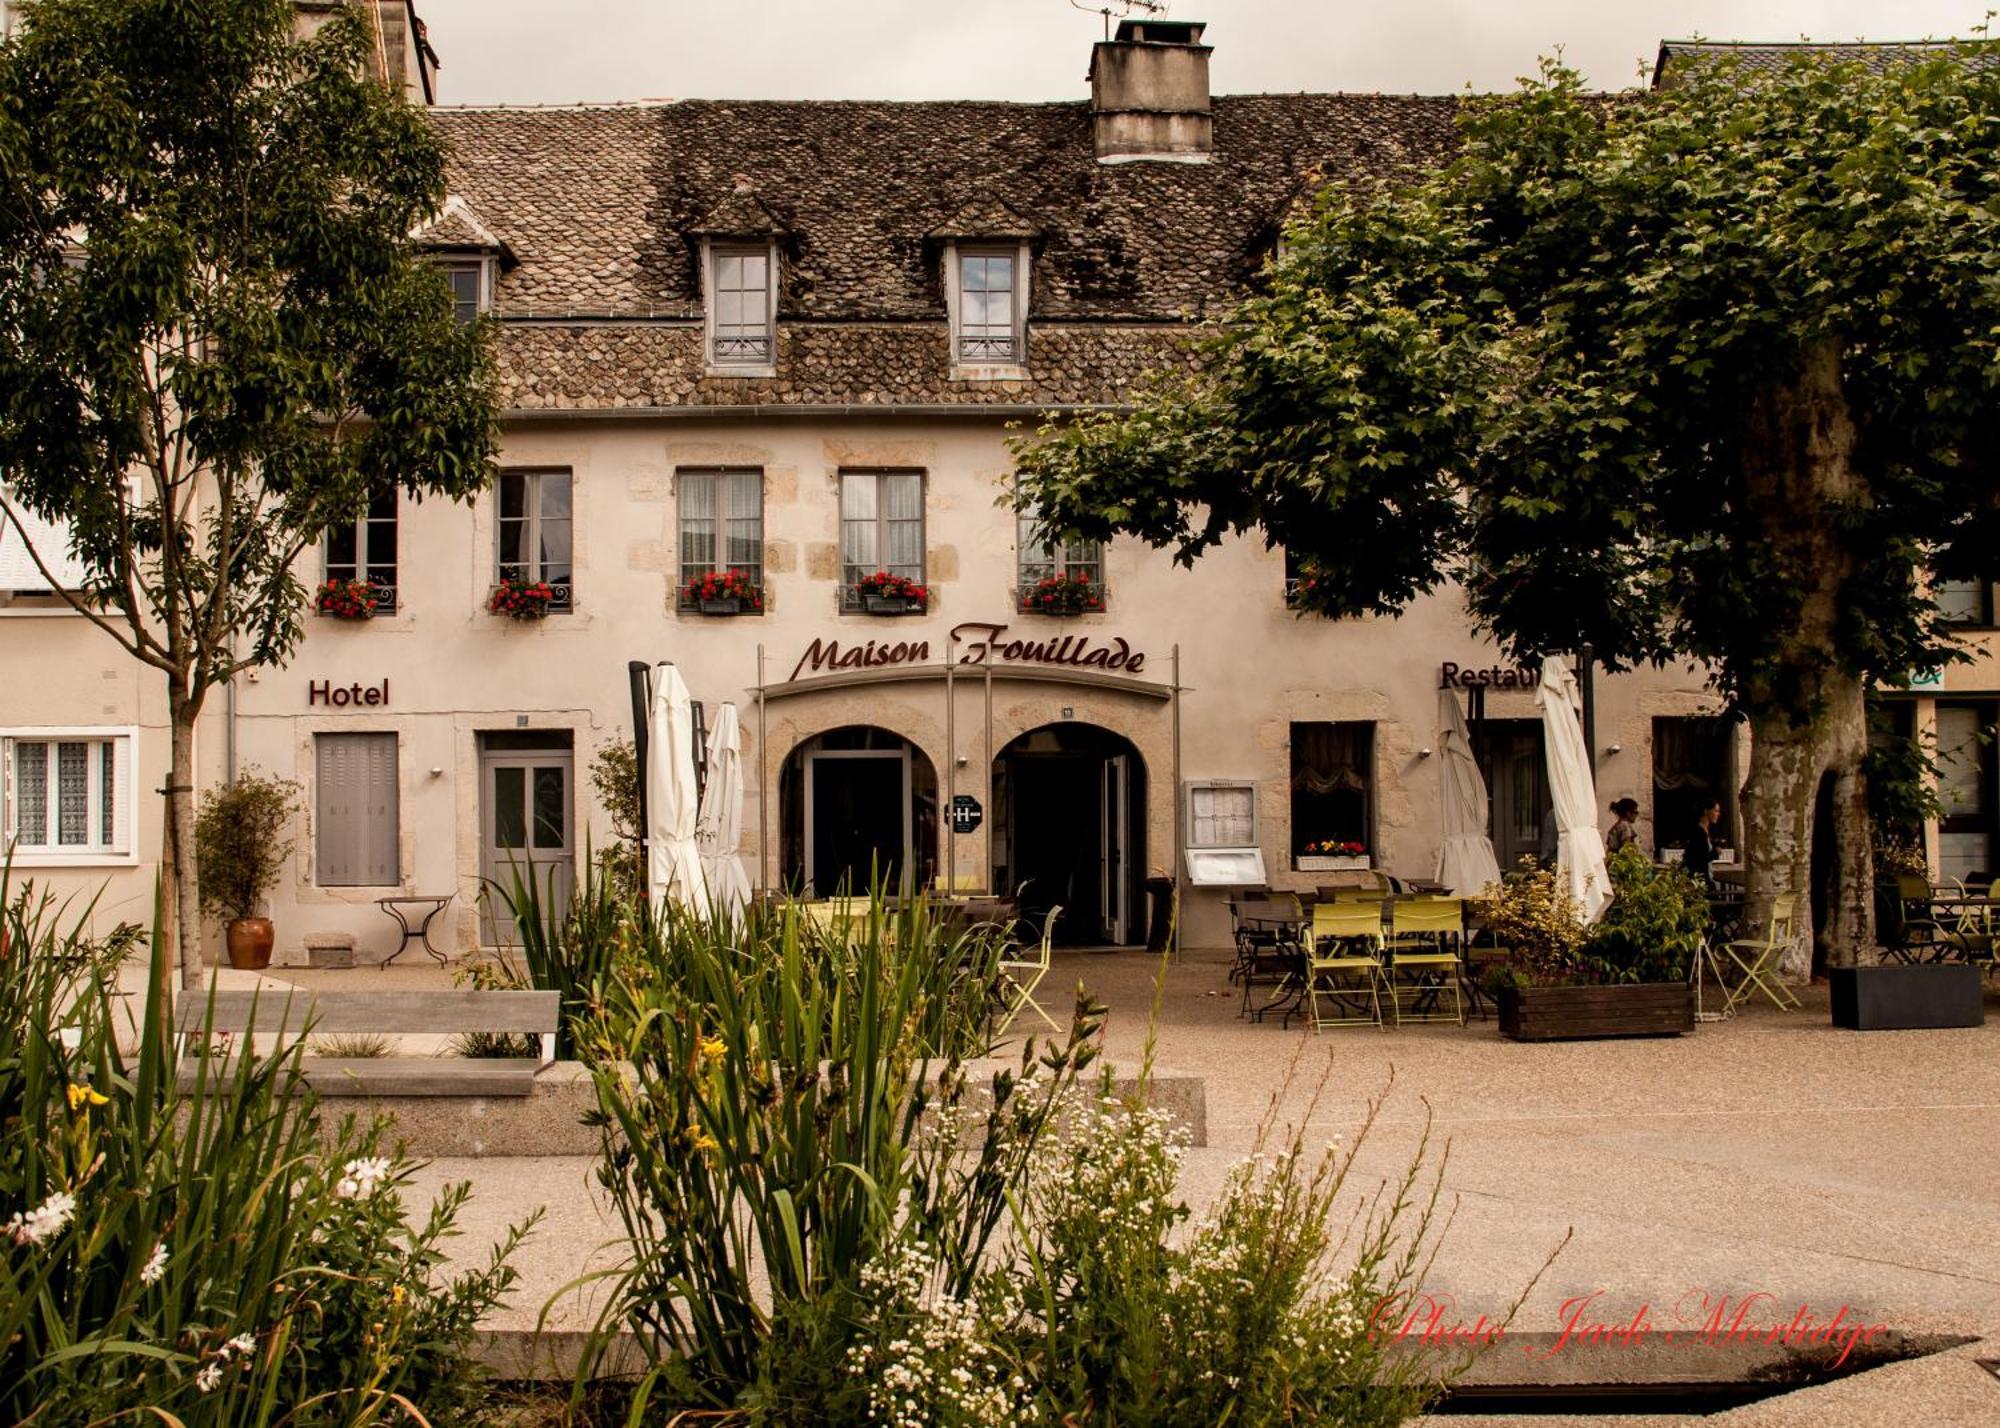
1466 865
721 824
673 862
1572 790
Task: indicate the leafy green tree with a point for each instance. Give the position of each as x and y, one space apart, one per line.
1705 372
215 336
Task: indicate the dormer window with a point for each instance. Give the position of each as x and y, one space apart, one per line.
987 308
742 308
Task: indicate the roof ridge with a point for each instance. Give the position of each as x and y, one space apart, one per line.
1819 44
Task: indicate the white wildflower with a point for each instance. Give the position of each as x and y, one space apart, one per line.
245 1344
208 1378
45 1221
361 1177
155 1266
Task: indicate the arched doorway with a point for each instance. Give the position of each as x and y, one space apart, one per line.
1069 828
857 803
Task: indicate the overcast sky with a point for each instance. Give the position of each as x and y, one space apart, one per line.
559 51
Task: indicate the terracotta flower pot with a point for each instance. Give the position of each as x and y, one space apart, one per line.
249 940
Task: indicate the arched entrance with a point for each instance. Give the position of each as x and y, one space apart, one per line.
854 803
1069 828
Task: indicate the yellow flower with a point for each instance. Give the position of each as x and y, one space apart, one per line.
81 1095
700 1139
398 1294
712 1049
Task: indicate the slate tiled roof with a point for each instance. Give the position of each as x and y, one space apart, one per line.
599 207
1774 57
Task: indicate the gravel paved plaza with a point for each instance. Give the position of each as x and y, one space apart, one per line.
1769 1154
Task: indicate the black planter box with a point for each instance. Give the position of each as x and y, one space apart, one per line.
891 605
1906 998
732 605
1588 1013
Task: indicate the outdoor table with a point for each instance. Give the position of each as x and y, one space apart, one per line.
1970 915
426 909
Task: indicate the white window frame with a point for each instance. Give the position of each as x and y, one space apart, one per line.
564 593
719 521
363 564
480 268
988 369
122 851
737 365
1035 562
881 521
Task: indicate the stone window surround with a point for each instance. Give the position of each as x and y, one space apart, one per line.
92 856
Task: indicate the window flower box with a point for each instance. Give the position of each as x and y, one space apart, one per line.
353 599
521 599
885 594
1074 594
1332 855
723 592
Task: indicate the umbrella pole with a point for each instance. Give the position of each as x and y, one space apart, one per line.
763 803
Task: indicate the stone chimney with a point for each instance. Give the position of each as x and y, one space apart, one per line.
406 59
1149 93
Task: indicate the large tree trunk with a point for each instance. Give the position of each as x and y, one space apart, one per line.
183 897
1807 711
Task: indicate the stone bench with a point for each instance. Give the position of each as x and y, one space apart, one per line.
289 1013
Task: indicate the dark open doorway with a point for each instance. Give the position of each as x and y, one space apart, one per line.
1069 830
1512 758
857 805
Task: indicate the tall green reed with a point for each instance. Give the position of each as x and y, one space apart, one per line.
780 1121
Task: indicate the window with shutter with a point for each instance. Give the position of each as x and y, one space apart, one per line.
356 827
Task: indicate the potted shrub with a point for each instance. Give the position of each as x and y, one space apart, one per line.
885 594
242 836
1331 855
521 599
723 592
351 599
1073 594
1625 976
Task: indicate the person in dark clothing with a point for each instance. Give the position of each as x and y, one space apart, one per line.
1700 851
1624 830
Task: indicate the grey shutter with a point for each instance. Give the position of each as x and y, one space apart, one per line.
356 778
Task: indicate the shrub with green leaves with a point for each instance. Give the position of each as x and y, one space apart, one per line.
209 1254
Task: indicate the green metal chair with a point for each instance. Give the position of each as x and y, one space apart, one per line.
1757 958
1426 935
1345 949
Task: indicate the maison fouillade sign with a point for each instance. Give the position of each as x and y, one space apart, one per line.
974 643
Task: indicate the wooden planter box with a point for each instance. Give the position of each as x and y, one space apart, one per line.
1906 998
1583 1013
1326 863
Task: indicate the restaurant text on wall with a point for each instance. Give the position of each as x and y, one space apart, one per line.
1492 676
974 643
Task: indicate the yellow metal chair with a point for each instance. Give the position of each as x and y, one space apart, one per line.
1345 948
1426 936
1020 977
1757 958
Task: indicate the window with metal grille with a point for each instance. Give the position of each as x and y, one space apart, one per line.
722 523
355 825
881 527
988 310
534 531
740 292
366 549
67 793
